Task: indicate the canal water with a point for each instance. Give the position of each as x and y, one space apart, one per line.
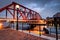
53 30
21 25
26 26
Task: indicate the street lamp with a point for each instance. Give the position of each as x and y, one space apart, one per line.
55 23
17 7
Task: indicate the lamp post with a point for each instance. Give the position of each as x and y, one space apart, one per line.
17 7
55 23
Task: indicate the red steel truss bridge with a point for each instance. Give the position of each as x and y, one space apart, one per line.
24 14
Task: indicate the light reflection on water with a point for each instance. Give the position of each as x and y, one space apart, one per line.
26 26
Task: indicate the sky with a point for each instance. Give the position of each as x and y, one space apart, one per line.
46 8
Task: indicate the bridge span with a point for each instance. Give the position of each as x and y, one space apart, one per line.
19 13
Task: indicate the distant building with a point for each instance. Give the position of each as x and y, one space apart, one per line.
57 19
50 20
57 15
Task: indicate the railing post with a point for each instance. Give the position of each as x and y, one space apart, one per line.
39 30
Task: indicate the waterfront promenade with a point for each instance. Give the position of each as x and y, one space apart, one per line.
10 34
46 36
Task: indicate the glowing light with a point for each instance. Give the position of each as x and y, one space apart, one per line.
41 32
17 6
1 26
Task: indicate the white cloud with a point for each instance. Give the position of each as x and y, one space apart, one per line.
35 7
44 7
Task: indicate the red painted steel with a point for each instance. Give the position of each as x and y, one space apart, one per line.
24 12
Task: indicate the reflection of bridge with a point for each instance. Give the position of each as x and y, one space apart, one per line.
24 14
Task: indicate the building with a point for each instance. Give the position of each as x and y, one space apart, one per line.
51 20
57 14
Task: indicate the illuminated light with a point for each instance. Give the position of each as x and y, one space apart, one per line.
38 32
45 26
1 26
41 32
17 6
42 22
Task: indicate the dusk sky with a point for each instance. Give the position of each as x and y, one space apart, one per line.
46 8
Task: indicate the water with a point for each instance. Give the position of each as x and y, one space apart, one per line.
53 30
21 26
27 26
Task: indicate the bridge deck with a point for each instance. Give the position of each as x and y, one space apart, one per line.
37 22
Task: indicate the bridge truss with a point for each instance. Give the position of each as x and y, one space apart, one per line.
24 13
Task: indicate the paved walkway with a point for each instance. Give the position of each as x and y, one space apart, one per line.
52 35
10 34
50 38
42 36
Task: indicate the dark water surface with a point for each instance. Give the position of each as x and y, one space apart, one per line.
25 26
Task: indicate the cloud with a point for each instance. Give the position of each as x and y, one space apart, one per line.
44 7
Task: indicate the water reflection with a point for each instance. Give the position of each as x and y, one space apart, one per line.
36 30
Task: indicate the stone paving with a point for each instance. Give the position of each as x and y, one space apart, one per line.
9 34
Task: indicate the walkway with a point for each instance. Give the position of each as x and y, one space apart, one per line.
42 36
10 34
